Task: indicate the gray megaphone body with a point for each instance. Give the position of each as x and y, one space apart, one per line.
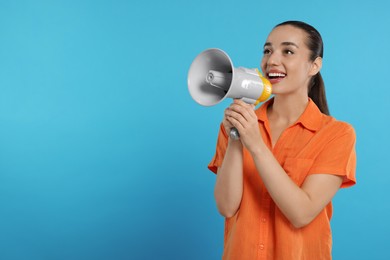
212 78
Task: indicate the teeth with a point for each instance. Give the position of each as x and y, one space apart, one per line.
276 74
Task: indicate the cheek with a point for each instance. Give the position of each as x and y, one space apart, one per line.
263 65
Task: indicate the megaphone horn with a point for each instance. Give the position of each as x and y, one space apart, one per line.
212 78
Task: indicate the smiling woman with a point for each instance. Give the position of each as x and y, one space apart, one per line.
276 183
294 54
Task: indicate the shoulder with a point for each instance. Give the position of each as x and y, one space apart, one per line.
333 123
334 128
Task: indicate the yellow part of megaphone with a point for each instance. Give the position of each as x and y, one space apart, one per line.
267 91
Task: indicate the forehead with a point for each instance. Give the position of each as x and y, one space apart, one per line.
287 33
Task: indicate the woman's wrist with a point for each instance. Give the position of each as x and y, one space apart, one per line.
260 149
235 143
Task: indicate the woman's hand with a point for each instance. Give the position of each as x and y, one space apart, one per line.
242 116
226 123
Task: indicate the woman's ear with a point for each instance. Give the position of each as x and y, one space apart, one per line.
316 66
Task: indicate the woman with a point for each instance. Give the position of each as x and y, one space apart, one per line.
275 184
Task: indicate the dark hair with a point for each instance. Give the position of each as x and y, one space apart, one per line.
316 46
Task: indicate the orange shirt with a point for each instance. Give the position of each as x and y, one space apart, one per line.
315 144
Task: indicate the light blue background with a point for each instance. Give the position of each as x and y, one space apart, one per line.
103 152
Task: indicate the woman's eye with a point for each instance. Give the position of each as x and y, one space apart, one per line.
288 52
266 51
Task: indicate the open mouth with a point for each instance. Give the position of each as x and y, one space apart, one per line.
276 75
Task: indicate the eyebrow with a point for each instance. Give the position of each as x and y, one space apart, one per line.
283 43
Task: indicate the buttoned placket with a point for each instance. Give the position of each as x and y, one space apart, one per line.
264 228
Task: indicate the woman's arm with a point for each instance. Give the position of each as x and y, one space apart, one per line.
299 204
229 184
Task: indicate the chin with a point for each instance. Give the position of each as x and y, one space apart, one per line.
277 90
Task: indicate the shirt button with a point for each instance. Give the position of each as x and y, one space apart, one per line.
261 246
263 220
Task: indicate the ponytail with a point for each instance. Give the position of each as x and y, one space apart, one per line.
317 93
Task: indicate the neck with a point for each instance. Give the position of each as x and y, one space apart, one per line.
287 108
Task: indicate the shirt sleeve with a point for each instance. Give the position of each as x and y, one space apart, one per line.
338 156
222 142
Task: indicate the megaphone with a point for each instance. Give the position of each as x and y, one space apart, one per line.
212 78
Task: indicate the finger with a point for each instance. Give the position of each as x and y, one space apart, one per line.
246 105
235 123
245 111
249 108
237 115
226 122
241 102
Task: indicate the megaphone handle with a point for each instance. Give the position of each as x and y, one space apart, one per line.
234 134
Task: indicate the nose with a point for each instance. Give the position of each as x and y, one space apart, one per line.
273 59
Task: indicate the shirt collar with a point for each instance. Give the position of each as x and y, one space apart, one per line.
311 118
